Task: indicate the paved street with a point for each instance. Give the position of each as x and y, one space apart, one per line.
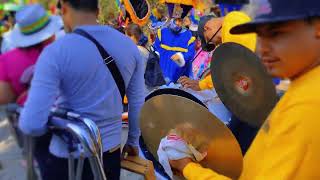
11 158
10 154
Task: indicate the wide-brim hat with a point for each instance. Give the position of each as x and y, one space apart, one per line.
277 11
34 25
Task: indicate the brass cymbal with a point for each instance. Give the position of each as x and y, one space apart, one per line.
242 83
163 113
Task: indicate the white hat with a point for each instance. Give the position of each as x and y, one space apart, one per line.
34 25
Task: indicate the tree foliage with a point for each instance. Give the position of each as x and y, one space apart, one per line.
109 11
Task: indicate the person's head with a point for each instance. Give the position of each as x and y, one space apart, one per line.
9 19
69 9
187 22
288 38
216 10
161 11
209 31
134 32
212 27
178 21
289 49
176 25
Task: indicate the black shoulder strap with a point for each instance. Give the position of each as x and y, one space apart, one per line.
108 61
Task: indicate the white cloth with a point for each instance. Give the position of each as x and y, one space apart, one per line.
181 62
173 148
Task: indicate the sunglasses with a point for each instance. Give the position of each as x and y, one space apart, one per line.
215 34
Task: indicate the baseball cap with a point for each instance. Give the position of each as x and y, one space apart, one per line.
276 11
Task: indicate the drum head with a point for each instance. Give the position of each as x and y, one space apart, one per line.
163 113
177 92
242 83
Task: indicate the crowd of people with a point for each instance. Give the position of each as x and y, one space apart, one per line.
46 62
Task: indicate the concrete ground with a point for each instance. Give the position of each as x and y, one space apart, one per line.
11 160
10 154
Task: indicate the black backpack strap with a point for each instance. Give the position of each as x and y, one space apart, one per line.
108 61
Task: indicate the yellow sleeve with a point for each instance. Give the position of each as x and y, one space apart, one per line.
206 83
159 34
194 171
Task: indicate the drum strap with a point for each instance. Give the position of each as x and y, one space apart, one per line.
108 61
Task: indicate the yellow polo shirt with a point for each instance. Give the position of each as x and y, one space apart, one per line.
287 146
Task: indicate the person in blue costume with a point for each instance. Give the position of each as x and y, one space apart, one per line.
175 46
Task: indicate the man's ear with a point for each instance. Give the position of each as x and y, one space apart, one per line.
316 24
206 28
64 8
98 12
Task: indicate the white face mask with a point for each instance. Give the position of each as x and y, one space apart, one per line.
174 27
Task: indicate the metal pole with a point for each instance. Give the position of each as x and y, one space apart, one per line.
80 167
95 135
71 167
28 146
97 168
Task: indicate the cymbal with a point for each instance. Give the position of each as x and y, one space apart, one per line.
163 113
242 83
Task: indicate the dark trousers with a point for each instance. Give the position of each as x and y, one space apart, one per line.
243 132
53 168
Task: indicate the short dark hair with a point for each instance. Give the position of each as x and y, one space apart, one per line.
134 30
83 5
312 19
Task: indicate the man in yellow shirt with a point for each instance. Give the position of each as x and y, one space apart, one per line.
208 26
287 146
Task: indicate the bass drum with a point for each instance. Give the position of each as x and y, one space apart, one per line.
207 99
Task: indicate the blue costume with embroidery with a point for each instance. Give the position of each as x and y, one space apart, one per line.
168 44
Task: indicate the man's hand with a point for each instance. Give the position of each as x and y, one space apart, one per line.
129 150
180 164
175 57
189 83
